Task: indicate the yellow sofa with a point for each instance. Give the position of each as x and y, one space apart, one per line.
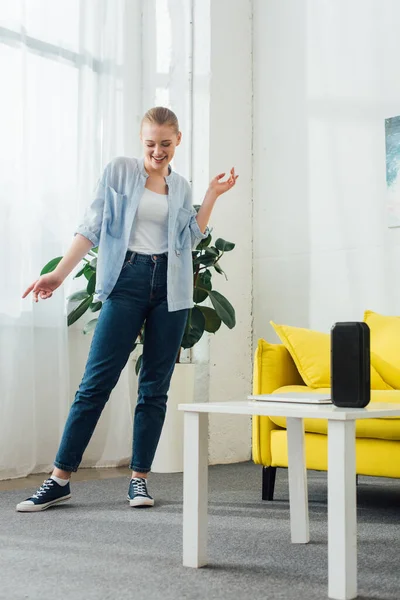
276 369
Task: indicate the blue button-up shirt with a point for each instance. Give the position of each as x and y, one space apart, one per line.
108 222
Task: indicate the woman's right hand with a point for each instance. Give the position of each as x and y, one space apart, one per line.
44 286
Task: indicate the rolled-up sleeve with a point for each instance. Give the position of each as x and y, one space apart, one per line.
90 227
195 231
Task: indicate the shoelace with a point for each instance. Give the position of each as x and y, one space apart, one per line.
139 487
46 485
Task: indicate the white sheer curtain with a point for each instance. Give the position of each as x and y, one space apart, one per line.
64 112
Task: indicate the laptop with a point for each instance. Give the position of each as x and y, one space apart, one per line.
296 397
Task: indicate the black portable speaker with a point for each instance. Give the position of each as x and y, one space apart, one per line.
350 364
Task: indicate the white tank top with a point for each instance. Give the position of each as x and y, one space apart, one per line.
149 233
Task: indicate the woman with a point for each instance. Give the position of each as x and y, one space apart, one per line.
145 227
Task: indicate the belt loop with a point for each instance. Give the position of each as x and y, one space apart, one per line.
132 256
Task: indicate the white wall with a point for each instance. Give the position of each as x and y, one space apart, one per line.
325 79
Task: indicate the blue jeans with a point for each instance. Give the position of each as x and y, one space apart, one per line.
140 295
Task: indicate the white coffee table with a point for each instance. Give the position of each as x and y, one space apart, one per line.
342 515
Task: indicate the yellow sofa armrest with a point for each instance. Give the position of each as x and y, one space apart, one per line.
273 368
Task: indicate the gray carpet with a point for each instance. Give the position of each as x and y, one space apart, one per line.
96 547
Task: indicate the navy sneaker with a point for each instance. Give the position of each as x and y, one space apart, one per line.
49 493
138 495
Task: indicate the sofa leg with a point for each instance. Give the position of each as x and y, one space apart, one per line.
268 482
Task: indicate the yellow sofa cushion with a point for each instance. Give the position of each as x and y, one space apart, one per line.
311 353
273 367
385 346
387 371
385 429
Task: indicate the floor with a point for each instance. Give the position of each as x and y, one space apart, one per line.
93 547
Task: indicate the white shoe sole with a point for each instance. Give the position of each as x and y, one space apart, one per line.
141 502
39 507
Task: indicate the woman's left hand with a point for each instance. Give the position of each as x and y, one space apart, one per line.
218 187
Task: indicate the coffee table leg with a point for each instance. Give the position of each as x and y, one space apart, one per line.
195 489
342 511
297 481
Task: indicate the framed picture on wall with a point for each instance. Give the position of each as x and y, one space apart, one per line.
392 138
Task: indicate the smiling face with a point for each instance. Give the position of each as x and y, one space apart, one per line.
159 143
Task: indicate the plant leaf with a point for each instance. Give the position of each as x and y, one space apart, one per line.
75 314
212 320
51 265
204 243
223 245
194 328
202 287
80 272
219 270
96 306
88 271
90 325
138 364
95 249
205 278
212 251
199 295
205 259
224 308
91 286
81 295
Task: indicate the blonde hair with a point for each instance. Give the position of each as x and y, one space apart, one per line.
161 116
